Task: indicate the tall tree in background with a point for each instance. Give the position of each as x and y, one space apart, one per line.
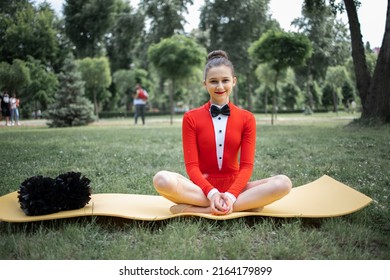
233 26
27 31
329 38
41 91
166 17
176 58
71 107
97 76
330 45
374 91
280 50
125 36
14 77
377 99
86 23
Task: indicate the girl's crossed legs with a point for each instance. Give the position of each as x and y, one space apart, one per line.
256 194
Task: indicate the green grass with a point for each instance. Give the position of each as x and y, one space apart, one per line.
120 157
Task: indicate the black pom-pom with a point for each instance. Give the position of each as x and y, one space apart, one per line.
74 191
38 196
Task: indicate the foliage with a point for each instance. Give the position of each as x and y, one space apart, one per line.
292 97
96 74
15 76
27 31
176 58
44 84
336 78
125 37
86 23
280 50
166 17
125 81
374 91
232 26
123 33
328 36
71 107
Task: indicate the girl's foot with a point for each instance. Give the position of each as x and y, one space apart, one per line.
179 208
187 208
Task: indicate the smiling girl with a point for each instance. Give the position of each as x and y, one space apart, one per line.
219 148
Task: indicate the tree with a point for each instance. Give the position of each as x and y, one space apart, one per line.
27 31
363 77
125 37
328 36
71 107
166 17
97 76
336 77
374 91
292 96
280 50
14 77
125 80
86 23
176 58
377 103
266 76
330 42
232 26
41 91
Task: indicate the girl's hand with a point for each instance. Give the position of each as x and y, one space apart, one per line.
221 204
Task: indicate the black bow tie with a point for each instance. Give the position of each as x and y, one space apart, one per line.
215 111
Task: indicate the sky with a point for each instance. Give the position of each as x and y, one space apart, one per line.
372 16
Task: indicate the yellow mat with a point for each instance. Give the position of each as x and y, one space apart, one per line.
324 197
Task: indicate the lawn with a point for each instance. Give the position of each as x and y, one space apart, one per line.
119 157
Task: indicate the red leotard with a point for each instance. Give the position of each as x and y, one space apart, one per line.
199 150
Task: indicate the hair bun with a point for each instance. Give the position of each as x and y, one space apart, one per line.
217 54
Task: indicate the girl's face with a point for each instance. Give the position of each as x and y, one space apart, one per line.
219 83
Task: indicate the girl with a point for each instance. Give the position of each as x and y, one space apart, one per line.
219 148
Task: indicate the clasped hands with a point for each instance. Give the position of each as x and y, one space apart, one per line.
221 204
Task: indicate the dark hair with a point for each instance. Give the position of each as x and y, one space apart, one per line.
217 58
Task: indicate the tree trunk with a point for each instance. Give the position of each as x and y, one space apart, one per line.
335 101
250 91
96 104
275 93
310 102
363 78
235 96
377 104
171 93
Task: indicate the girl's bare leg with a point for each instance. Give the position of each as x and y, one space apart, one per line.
181 190
256 194
262 192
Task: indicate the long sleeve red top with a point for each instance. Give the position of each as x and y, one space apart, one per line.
199 149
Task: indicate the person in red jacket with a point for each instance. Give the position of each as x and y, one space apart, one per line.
219 141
